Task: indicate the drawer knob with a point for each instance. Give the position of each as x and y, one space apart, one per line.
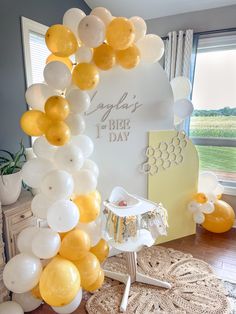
22 216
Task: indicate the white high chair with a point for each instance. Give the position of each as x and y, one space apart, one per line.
128 229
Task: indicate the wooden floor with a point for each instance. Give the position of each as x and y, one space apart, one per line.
219 250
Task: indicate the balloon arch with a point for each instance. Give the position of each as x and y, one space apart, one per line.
57 262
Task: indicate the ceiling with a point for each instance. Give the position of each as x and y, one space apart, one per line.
150 9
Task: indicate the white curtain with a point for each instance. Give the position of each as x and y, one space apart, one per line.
178 51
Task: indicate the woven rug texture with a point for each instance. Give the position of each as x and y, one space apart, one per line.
195 288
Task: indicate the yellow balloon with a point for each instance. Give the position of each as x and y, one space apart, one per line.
66 61
63 234
59 282
61 41
29 122
97 284
222 218
58 133
85 76
75 245
128 58
89 268
101 250
200 198
104 57
97 196
57 108
36 292
44 123
89 207
120 33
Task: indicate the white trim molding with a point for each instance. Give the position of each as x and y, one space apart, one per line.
214 141
218 41
229 187
28 26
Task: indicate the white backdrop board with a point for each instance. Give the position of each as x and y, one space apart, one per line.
125 106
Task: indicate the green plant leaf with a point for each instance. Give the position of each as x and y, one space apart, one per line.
3 159
15 162
7 152
5 165
5 171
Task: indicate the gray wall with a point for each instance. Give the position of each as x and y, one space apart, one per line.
199 21
12 84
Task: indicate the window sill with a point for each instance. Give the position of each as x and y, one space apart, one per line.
229 187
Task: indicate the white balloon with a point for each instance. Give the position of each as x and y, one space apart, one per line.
57 75
37 94
151 48
34 170
193 206
43 149
79 101
39 205
75 123
93 229
57 185
27 301
207 208
70 88
22 273
181 87
84 143
183 108
69 157
46 243
140 27
91 31
72 17
198 217
212 197
71 307
92 166
10 307
207 182
24 239
85 182
63 216
84 54
219 190
103 14
177 120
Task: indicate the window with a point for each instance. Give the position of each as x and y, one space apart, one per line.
213 124
35 50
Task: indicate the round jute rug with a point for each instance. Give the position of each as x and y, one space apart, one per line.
195 288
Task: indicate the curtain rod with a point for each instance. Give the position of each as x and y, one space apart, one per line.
224 30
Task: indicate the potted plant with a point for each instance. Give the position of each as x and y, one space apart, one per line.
10 171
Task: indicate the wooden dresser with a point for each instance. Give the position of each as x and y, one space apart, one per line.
4 293
16 217
13 219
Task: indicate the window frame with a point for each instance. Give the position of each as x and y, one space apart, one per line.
216 42
27 26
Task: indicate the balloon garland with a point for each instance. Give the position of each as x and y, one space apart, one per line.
208 210
56 262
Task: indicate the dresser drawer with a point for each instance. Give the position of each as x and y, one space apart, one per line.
12 249
20 217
